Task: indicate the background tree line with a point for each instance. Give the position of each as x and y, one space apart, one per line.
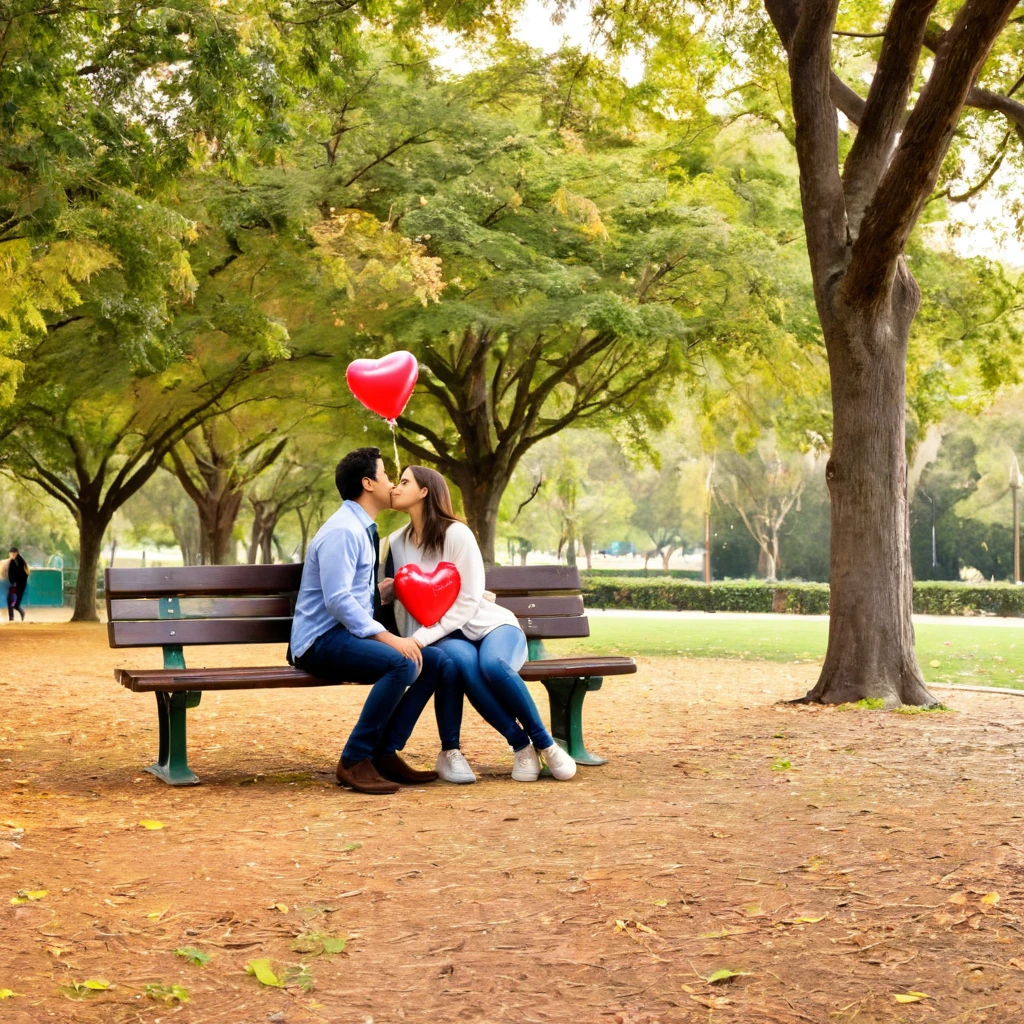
205 215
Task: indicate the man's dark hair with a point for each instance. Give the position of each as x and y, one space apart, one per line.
350 472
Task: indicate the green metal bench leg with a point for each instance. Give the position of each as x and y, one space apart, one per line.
172 763
566 697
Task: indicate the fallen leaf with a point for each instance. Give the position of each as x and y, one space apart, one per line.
753 910
194 956
990 898
264 975
910 997
6 993
169 994
315 943
805 920
661 903
153 826
283 907
724 974
97 984
28 895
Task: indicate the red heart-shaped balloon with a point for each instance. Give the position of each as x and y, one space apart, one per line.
428 595
384 385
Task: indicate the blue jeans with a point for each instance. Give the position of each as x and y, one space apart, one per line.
488 671
397 698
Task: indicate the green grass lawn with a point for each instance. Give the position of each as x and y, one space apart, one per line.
955 653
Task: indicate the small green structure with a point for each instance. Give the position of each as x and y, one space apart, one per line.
45 589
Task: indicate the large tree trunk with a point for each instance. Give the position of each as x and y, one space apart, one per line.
480 501
871 633
90 548
217 515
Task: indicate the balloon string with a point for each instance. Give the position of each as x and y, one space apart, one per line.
394 440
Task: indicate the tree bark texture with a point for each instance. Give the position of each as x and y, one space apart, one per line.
871 632
481 497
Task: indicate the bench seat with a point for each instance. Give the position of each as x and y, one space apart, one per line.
152 680
174 608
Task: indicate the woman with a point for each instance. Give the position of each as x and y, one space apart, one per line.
483 639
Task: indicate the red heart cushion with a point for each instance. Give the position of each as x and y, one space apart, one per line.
427 595
384 385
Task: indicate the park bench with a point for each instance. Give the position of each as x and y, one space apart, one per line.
175 608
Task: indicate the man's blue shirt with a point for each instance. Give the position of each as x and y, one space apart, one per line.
337 580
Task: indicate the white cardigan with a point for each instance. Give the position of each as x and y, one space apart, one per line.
473 612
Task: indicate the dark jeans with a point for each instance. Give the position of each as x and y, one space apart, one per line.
14 596
397 698
488 671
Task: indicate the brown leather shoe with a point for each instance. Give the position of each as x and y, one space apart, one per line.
393 767
363 777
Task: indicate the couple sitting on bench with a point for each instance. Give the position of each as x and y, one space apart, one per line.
475 649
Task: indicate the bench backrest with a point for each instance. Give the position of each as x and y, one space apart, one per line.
252 604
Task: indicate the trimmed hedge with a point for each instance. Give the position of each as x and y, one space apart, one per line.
684 595
938 598
795 598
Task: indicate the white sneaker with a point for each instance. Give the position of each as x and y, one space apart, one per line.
453 767
526 767
561 765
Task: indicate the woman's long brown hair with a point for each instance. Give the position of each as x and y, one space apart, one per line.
438 513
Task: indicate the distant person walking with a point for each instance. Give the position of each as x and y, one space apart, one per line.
17 581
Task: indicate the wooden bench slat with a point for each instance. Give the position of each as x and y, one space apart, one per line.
555 628
276 607
564 668
179 680
198 580
523 579
199 631
548 604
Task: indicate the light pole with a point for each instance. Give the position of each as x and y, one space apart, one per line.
707 523
1015 483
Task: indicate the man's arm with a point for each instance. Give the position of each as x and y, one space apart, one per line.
338 558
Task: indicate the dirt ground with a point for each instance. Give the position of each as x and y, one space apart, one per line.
834 860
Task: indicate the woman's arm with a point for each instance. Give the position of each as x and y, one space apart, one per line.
461 549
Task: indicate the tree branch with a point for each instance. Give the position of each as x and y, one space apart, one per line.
807 36
912 173
886 105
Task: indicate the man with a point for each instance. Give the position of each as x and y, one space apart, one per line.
335 634
17 581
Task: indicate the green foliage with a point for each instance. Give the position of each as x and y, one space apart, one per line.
912 709
172 995
866 704
194 956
